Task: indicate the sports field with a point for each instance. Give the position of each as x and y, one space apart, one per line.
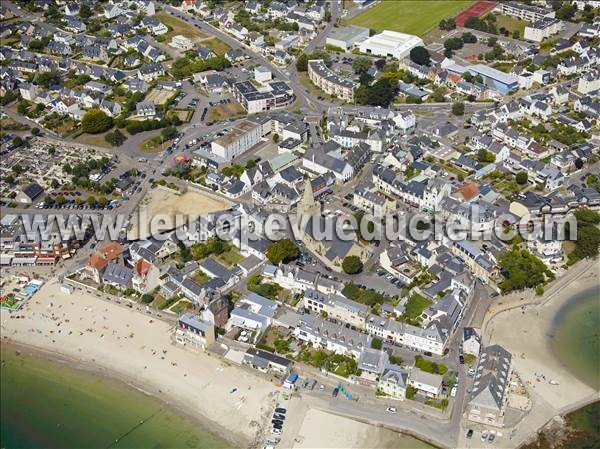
409 16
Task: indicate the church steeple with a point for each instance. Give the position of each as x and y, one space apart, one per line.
308 207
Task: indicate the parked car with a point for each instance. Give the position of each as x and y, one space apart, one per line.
469 434
391 410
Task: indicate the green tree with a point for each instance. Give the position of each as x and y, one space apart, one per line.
35 131
96 121
447 24
458 108
566 11
522 270
59 199
115 138
486 156
46 79
91 200
302 63
522 178
170 132
376 343
361 65
282 251
381 93
85 12
468 38
420 55
352 265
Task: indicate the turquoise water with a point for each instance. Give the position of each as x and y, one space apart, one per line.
45 404
576 336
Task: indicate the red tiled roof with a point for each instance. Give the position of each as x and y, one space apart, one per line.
112 251
97 261
468 191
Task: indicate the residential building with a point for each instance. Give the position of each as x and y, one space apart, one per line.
336 307
542 29
489 394
334 337
182 42
271 96
426 383
193 331
589 82
393 382
237 141
523 11
329 82
471 341
266 361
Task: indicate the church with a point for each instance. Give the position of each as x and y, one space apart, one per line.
310 223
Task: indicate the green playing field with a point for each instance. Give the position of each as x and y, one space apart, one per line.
408 16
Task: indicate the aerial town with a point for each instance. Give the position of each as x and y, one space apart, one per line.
179 179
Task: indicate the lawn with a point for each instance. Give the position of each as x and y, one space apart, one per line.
200 278
225 111
412 16
181 306
231 257
184 115
414 308
548 44
216 45
511 24
154 144
505 67
179 27
93 139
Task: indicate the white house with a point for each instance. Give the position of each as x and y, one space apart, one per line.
182 42
428 384
393 382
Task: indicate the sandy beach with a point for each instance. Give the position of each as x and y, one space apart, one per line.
319 426
525 329
125 344
86 332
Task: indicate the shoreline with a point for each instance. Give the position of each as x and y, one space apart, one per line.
114 375
121 344
524 325
118 343
553 326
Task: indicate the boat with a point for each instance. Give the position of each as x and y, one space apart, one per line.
554 382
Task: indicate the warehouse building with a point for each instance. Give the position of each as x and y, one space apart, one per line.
347 37
390 44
